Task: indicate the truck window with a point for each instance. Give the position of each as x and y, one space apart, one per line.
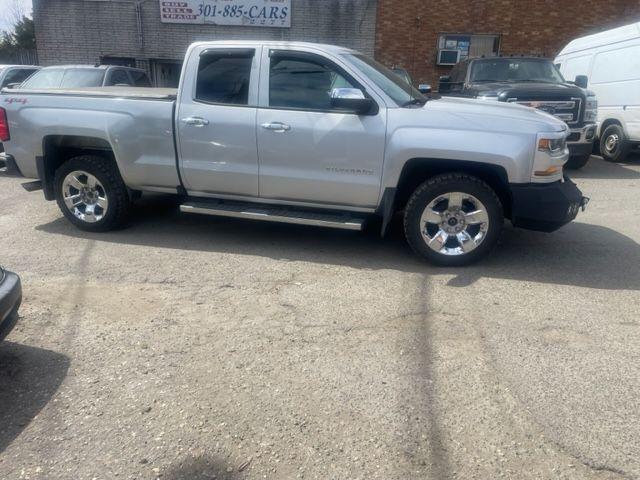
82 77
223 77
303 83
17 75
118 77
140 79
45 78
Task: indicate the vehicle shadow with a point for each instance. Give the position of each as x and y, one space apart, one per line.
29 377
578 254
202 468
599 168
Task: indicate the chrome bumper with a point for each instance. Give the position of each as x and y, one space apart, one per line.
584 134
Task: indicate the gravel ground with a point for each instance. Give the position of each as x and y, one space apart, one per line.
189 347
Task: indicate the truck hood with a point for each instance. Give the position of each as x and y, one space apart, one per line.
472 114
525 90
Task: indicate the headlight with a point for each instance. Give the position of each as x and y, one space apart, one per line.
552 146
550 156
591 109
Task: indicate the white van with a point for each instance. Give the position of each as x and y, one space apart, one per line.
611 61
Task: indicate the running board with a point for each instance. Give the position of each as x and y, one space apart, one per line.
272 213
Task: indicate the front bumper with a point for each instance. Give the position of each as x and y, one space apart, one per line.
10 299
580 140
546 206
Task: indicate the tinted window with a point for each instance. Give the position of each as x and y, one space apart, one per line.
299 82
16 76
515 70
46 78
118 77
82 77
140 79
223 77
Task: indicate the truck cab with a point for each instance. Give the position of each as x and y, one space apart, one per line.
533 82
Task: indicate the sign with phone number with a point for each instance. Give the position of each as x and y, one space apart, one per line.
256 13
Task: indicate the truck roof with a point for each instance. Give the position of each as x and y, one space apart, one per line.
607 37
335 49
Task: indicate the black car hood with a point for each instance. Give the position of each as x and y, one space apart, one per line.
506 90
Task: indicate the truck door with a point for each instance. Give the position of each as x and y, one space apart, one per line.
216 122
309 151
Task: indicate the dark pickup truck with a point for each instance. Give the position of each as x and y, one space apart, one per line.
534 82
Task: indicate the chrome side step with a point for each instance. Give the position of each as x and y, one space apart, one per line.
267 213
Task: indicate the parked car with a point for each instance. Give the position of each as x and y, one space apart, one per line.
10 299
610 61
78 76
297 133
533 82
15 74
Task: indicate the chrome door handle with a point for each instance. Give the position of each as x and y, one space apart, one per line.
196 121
276 127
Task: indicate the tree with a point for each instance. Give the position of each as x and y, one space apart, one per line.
18 44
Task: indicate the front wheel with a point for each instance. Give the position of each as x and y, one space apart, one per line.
577 162
91 193
453 219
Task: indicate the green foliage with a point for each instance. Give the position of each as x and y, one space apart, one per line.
22 38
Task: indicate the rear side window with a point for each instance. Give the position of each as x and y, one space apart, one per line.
47 78
303 82
118 77
17 75
140 79
223 77
82 77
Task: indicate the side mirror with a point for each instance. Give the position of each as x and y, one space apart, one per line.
353 100
424 88
445 83
582 81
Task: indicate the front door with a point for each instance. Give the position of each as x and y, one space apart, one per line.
217 125
308 151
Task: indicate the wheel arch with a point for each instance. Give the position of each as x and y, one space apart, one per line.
607 123
57 149
418 170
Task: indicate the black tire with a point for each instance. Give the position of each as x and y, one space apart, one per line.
614 150
106 172
441 185
577 162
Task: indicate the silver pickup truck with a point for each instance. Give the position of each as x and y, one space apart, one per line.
299 133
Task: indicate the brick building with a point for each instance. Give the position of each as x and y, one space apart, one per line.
131 32
410 33
406 33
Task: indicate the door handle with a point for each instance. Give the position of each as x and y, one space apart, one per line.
196 121
276 127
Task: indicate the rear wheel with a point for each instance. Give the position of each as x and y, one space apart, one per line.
576 162
453 219
614 145
91 193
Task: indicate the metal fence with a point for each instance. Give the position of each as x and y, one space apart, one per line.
20 57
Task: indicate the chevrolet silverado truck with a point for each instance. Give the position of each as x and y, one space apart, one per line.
299 133
534 82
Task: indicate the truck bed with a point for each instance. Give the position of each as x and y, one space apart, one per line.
110 92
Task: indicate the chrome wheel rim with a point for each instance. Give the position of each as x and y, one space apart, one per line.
454 223
611 143
85 196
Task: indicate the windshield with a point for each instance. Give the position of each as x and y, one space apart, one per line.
394 86
515 70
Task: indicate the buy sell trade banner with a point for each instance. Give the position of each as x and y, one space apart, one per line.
258 13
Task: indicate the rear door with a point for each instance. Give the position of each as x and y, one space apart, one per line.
216 122
319 155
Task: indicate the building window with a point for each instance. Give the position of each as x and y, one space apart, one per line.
470 46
